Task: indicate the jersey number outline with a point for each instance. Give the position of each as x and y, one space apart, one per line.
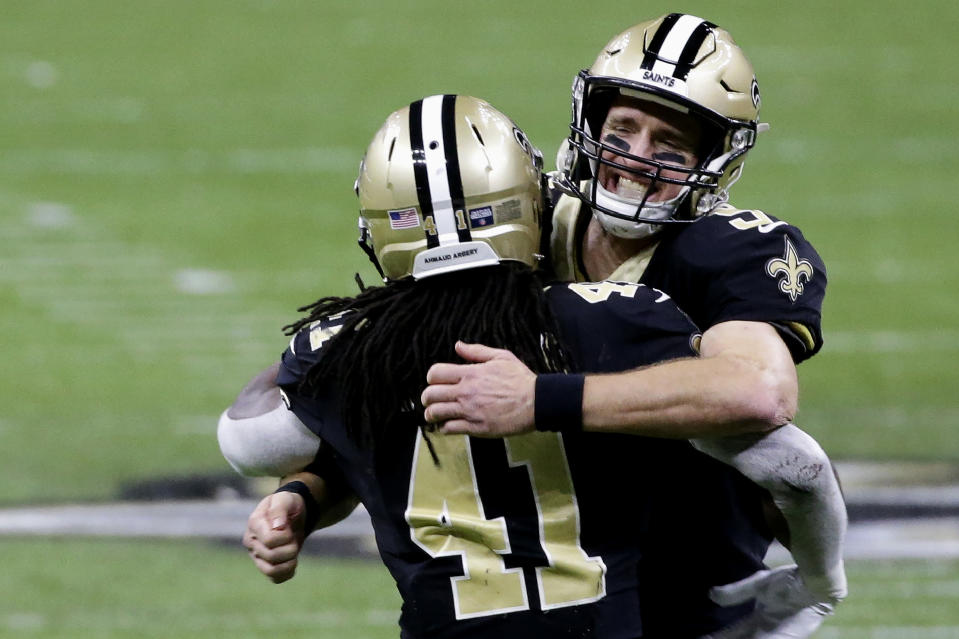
760 221
446 518
596 292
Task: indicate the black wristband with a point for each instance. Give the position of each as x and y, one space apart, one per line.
311 509
558 403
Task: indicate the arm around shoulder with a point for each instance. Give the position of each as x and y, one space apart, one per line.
745 381
766 389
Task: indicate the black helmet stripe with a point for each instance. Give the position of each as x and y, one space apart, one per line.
653 47
457 198
439 183
673 48
420 173
688 56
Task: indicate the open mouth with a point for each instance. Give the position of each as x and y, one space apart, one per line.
628 189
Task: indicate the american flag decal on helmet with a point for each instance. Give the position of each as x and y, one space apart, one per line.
404 219
673 49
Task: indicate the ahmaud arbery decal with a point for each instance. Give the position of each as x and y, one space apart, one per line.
790 270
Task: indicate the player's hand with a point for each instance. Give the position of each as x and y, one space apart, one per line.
490 397
785 608
274 535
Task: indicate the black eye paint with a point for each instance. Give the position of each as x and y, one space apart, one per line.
616 141
671 158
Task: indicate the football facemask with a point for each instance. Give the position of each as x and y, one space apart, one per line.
677 64
449 183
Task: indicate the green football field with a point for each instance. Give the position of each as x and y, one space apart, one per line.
176 178
132 590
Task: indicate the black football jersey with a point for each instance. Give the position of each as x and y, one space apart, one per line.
707 526
744 265
529 536
732 264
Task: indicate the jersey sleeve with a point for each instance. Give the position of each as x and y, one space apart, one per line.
746 265
304 351
295 362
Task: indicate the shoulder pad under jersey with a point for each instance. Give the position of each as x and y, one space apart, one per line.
612 326
737 264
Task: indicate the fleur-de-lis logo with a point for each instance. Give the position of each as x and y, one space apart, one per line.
792 269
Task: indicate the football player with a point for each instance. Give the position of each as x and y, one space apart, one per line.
532 536
662 123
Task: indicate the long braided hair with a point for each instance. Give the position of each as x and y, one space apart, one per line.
392 334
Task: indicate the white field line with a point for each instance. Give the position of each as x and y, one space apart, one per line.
30 623
101 280
62 264
893 539
927 588
887 418
885 342
911 270
888 632
218 519
913 538
189 162
66 267
916 150
342 160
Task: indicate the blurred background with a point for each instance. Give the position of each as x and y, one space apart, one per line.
176 179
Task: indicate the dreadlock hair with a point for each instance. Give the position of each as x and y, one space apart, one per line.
393 334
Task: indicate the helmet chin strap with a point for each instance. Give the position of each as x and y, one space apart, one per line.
627 207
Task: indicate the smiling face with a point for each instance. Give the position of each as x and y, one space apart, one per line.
652 131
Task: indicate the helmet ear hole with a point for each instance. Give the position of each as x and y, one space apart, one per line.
600 100
711 143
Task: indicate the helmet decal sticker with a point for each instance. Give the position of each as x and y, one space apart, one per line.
509 210
404 219
482 216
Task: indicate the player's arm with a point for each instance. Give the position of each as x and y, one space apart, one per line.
745 381
258 435
281 522
793 600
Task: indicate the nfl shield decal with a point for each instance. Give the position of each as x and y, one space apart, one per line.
483 216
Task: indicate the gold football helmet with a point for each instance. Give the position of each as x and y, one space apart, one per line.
688 65
449 183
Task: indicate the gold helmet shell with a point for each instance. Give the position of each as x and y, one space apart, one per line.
449 183
689 65
686 60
